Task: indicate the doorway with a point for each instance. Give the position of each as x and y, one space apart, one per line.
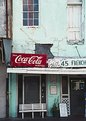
77 99
31 89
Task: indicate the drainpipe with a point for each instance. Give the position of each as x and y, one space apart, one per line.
7 97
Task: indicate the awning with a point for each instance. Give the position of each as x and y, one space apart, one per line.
81 71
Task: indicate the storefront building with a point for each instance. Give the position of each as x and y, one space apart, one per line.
48 60
45 85
5 43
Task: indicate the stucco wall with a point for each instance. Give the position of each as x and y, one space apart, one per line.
52 29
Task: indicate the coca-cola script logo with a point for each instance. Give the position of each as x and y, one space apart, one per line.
28 60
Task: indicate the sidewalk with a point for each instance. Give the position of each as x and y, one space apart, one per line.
46 119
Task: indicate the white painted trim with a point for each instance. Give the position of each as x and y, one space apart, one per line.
47 70
40 89
23 90
74 3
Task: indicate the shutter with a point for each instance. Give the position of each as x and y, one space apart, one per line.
74 22
74 15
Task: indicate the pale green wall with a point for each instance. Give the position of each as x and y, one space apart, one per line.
12 95
52 29
53 23
49 99
52 97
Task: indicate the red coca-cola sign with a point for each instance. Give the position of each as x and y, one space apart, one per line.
28 60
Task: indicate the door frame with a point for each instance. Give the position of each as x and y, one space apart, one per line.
65 98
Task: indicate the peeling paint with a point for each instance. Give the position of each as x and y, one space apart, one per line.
2 19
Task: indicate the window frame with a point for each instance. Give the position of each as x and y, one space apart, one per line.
36 12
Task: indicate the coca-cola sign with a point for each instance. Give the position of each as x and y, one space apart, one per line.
28 60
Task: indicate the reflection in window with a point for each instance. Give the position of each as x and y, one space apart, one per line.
78 84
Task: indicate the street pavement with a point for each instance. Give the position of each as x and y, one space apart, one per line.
78 118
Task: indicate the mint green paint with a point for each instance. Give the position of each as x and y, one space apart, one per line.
51 97
52 29
12 95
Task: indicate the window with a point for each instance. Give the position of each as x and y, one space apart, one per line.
74 17
77 85
30 13
64 85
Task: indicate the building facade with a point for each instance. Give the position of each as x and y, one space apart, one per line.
5 49
55 29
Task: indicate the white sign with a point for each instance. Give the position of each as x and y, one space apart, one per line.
53 90
63 110
65 62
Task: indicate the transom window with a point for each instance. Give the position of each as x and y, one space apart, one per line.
30 12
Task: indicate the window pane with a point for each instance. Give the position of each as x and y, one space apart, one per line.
30 7
64 85
36 15
31 89
25 8
31 15
24 1
25 15
35 1
30 22
25 22
35 21
30 1
35 7
30 12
